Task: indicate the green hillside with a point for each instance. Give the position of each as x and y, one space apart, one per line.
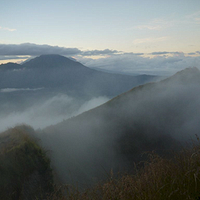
25 171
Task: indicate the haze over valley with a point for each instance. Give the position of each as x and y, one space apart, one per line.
158 116
99 100
49 88
93 121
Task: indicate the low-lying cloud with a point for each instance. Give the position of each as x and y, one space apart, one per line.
156 117
160 64
164 63
18 89
48 112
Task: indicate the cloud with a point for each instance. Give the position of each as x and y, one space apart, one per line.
159 53
149 27
134 54
99 52
146 119
165 52
196 53
116 61
192 53
133 64
149 40
48 111
35 50
13 57
194 17
7 29
155 25
92 103
18 89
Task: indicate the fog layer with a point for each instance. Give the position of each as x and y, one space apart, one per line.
157 116
46 112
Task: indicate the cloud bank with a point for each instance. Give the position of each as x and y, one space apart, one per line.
35 50
163 63
160 64
157 117
13 57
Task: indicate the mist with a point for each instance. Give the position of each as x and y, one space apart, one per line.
130 63
48 111
159 117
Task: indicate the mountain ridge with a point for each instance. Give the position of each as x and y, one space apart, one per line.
10 66
49 61
156 116
55 71
188 74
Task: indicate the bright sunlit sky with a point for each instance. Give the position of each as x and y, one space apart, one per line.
131 26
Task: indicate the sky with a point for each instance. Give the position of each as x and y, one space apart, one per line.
100 29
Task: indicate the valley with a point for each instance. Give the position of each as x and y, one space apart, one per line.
88 132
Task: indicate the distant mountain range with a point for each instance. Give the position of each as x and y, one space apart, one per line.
64 74
156 116
36 81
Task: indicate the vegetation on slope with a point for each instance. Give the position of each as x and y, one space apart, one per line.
25 174
151 119
159 178
156 116
25 171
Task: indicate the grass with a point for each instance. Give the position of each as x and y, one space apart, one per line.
159 179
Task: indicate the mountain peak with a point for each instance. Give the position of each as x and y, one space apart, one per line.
190 70
188 75
54 56
49 61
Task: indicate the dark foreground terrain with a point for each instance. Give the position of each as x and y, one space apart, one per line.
25 171
26 174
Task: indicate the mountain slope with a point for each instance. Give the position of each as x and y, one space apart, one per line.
48 81
156 116
60 73
10 66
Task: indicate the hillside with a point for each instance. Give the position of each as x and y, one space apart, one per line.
158 178
25 174
50 88
150 123
25 170
157 116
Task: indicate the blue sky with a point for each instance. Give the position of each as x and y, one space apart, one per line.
128 26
